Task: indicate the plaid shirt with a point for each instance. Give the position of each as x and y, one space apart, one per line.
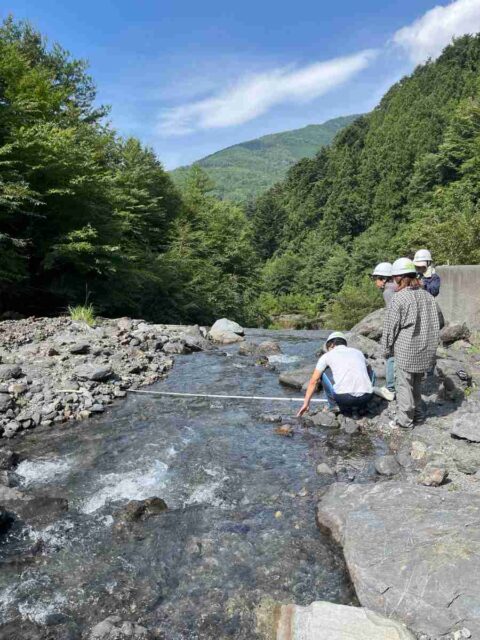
410 330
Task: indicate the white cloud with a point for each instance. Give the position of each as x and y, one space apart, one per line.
254 95
427 36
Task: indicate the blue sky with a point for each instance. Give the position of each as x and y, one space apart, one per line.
189 78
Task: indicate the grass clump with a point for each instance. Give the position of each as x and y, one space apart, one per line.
83 313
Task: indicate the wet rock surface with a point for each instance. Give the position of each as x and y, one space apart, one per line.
412 552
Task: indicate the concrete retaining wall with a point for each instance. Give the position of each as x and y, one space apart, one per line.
459 296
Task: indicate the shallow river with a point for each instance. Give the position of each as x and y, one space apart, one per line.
241 521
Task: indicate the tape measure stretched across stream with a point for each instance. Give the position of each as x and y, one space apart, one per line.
221 397
178 394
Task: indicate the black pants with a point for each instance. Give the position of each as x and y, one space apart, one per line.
345 401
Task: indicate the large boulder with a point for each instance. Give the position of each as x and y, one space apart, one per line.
456 376
453 332
297 378
328 621
226 332
371 326
368 347
413 552
466 427
266 348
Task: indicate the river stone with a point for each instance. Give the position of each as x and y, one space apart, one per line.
80 348
173 348
141 509
8 459
453 332
9 371
195 343
433 475
328 621
466 427
34 510
11 428
371 326
413 552
93 372
323 419
297 378
226 331
324 469
113 628
5 402
456 377
387 465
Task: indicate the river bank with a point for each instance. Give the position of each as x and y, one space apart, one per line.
229 540
55 370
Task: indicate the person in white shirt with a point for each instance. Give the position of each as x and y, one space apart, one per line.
346 378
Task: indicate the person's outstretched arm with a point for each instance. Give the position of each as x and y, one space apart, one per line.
312 385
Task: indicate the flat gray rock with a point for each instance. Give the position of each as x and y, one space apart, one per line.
413 552
328 621
297 378
467 427
9 371
93 372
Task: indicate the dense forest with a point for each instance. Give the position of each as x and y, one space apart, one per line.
87 216
405 176
244 171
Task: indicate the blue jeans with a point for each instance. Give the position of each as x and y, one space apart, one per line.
345 401
390 374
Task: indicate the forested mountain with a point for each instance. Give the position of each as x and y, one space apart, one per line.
87 215
247 169
405 176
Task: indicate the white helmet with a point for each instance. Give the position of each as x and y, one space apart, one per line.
422 257
383 270
333 336
402 266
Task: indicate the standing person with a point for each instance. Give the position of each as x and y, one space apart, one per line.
410 334
429 280
382 276
345 376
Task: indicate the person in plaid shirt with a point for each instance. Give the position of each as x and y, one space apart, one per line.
410 334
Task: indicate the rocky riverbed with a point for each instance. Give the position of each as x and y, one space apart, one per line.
55 370
407 519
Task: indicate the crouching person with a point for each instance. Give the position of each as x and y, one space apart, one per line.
410 334
346 379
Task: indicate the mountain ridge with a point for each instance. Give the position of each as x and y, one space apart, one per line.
243 171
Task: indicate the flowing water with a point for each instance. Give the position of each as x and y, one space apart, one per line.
241 520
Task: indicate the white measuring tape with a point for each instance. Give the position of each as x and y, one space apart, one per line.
217 396
202 395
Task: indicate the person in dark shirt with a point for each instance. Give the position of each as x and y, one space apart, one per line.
429 280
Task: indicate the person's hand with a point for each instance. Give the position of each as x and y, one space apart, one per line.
303 409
